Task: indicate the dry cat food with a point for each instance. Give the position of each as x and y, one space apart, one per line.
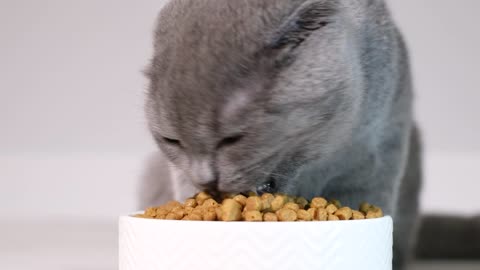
267 207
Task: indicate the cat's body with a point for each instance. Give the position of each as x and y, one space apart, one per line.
303 97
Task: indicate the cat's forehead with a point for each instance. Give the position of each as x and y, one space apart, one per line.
235 104
208 113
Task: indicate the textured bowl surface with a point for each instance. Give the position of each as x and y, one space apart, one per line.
148 244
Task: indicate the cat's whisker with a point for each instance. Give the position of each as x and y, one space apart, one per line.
275 174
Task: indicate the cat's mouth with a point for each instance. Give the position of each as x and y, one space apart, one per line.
268 187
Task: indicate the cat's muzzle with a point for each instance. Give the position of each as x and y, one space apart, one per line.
268 187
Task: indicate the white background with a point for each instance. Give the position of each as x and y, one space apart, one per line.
72 132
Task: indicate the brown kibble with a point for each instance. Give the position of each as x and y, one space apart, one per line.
374 212
253 216
364 207
267 196
304 215
344 213
211 209
210 215
254 204
267 199
194 217
291 205
179 212
198 211
172 216
251 194
267 207
286 215
318 202
278 202
161 212
164 216
357 215
151 212
336 203
143 216
331 209
241 199
332 218
210 203
190 203
302 202
189 209
171 205
231 210
270 217
219 212
202 197
321 214
176 208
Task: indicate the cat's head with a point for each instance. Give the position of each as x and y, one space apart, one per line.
244 93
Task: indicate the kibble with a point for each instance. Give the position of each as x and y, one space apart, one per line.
344 213
318 202
267 207
210 215
332 218
374 212
240 199
331 208
304 215
202 197
171 216
336 203
302 202
364 207
231 210
321 214
312 212
254 203
278 202
190 203
267 199
210 203
286 214
253 216
151 212
292 206
270 217
356 215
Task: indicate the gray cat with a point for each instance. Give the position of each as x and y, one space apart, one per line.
305 97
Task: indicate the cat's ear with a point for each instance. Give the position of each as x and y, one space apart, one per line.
311 16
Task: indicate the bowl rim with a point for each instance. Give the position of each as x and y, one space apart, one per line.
150 220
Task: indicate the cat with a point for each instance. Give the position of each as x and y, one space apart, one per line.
304 97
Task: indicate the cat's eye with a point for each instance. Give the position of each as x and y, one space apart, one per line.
171 141
230 140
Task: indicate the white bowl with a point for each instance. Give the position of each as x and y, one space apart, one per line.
149 244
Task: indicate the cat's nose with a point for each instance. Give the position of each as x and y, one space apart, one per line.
204 175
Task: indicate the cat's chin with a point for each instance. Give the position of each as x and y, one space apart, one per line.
235 188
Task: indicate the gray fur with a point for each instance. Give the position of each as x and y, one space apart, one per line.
324 102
